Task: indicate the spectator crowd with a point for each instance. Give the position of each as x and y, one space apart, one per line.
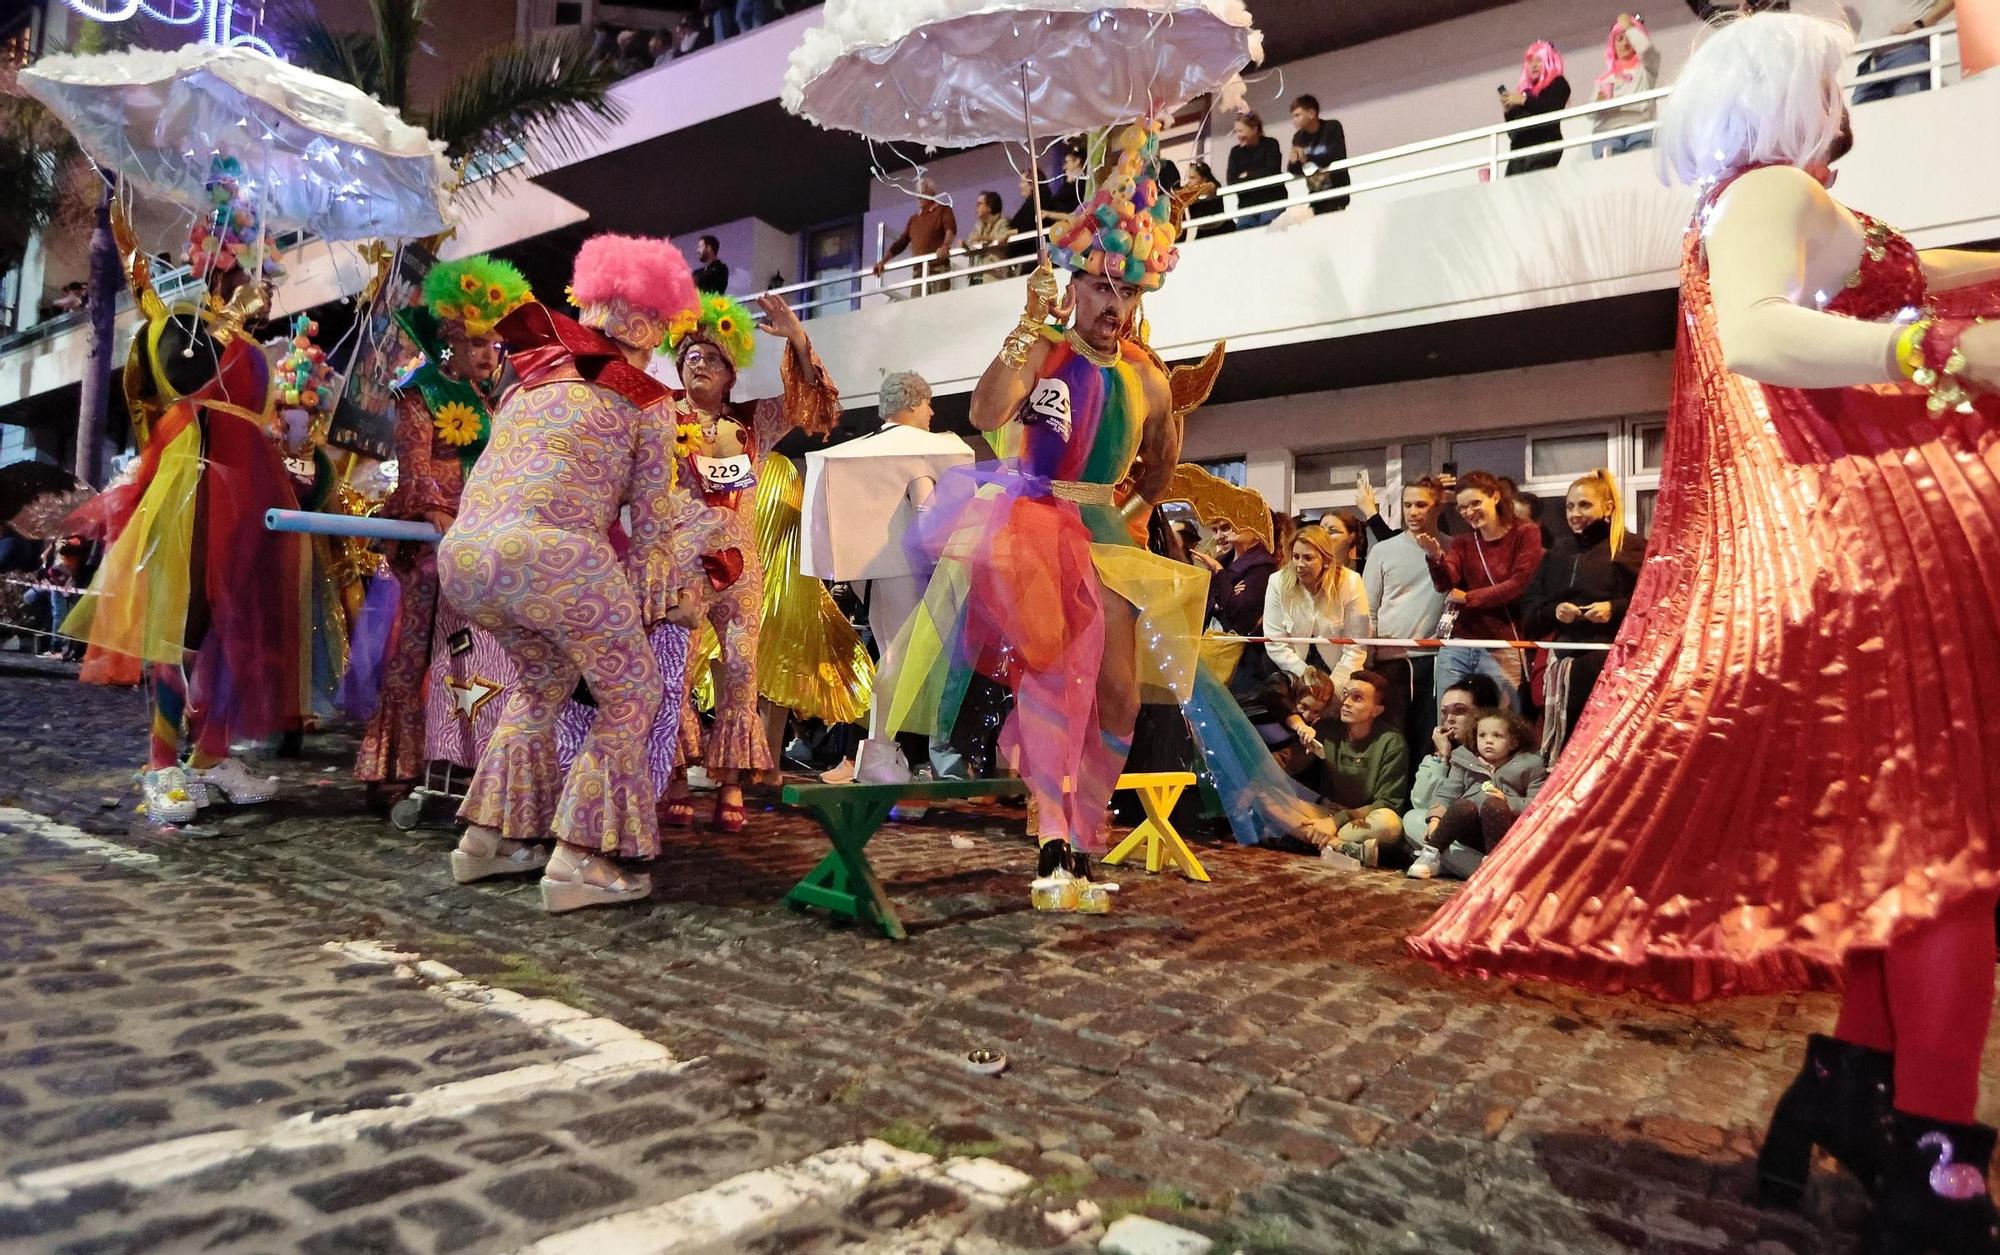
630 50
1422 752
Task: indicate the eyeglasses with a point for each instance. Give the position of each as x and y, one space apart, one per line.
703 357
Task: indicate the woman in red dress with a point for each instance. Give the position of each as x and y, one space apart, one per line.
1785 779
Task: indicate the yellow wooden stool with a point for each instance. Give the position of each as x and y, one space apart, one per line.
1158 791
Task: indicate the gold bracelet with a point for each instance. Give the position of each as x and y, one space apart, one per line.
1014 352
1909 347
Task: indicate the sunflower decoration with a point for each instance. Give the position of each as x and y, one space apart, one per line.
477 291
458 424
722 322
687 440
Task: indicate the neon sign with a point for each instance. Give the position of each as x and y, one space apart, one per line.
217 19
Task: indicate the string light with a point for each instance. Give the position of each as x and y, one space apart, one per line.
217 19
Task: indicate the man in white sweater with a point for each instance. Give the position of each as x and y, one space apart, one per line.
1407 604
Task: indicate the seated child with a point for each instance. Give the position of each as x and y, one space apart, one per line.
1485 789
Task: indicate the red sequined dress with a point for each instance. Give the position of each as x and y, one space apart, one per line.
1795 748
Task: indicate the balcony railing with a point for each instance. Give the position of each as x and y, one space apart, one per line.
1489 155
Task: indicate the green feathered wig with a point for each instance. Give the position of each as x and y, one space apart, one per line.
722 322
477 291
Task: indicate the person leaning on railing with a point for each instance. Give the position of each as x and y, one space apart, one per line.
929 235
1631 66
1542 89
988 240
1255 157
1317 143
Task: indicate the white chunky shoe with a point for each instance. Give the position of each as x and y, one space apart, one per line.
881 762
170 797
1426 866
231 781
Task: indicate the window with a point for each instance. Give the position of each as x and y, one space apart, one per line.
1416 461
1335 471
1649 441
1498 455
1566 457
1643 503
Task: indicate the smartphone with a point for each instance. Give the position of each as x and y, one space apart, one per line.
1451 468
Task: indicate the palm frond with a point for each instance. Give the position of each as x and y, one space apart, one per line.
349 56
549 91
399 25
35 152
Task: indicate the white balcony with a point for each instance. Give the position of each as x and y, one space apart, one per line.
1450 275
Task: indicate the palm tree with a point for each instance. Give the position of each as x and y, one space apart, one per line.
37 158
34 151
548 90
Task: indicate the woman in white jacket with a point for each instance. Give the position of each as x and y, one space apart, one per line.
1318 594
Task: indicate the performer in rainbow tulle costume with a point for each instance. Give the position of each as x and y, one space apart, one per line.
730 446
1038 580
193 586
530 559
442 425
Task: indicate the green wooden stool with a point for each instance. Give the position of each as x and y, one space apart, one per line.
850 814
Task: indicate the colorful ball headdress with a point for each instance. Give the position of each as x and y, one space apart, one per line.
230 234
720 321
305 377
477 291
631 287
1127 227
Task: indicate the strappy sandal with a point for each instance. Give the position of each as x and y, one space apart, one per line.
506 858
678 812
730 817
570 892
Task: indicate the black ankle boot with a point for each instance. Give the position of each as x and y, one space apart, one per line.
1840 1101
1055 857
1934 1199
1062 856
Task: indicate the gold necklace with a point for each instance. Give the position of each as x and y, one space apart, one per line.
1090 352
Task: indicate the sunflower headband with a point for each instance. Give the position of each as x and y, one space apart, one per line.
476 291
720 321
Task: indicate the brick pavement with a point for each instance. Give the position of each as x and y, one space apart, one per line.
1253 1059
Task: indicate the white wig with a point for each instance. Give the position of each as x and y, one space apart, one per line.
1759 89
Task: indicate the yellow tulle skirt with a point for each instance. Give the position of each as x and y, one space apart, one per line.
809 657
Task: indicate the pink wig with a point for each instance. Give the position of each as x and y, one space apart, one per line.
645 275
1552 67
1615 66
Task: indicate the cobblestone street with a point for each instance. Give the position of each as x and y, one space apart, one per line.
298 1035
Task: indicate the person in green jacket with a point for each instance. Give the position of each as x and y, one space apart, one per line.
1365 777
